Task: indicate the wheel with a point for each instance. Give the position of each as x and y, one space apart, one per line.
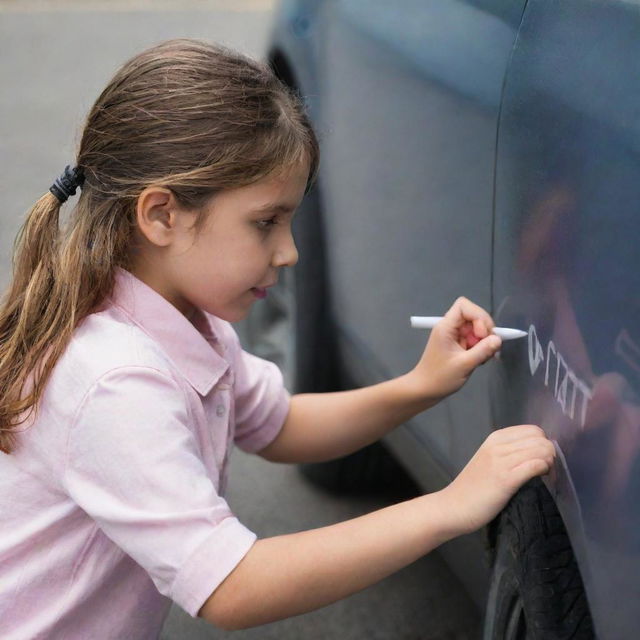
536 589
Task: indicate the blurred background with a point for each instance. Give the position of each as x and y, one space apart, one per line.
55 58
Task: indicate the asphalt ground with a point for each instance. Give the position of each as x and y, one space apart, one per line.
55 57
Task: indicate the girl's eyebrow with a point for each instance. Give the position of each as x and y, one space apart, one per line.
275 208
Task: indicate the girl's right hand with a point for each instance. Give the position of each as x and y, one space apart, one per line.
507 459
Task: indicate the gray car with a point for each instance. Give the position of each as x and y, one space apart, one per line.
491 149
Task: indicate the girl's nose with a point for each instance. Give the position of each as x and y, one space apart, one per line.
286 254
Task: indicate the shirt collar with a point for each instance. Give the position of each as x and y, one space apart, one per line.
187 345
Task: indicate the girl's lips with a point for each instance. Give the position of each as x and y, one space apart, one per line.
259 293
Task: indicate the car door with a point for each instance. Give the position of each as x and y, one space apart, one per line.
410 99
567 267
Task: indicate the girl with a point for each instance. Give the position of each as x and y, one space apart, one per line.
124 386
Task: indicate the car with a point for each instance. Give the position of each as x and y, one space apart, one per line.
489 149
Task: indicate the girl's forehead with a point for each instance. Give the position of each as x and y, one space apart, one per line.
280 191
290 173
285 184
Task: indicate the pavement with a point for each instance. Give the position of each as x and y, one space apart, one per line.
55 57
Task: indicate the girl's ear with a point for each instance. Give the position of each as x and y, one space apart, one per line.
157 215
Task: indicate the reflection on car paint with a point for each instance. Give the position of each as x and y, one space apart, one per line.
628 350
563 384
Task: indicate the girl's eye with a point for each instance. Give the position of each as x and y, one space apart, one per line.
266 224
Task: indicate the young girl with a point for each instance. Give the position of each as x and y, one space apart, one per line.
124 386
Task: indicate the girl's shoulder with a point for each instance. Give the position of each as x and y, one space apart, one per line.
101 345
104 341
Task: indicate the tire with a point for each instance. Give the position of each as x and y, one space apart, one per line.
371 470
315 363
536 589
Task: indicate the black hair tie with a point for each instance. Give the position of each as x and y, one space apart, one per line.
67 183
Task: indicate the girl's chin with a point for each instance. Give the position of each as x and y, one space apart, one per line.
239 312
236 310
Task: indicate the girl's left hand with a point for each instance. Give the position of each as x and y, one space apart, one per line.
460 342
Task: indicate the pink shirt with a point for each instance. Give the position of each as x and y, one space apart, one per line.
112 504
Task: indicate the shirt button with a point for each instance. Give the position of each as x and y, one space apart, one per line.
220 410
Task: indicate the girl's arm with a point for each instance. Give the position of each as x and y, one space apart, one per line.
292 574
325 426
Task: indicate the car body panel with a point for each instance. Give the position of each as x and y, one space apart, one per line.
567 268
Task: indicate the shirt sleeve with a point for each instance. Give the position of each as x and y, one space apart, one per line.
261 400
133 465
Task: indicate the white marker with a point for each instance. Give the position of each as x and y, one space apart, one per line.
428 322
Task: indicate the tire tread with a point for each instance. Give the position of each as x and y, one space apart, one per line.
546 570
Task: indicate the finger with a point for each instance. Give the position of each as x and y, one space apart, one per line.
527 443
482 326
527 470
469 339
478 353
472 340
537 451
466 329
475 329
463 310
517 432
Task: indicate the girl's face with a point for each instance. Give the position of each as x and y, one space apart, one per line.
237 255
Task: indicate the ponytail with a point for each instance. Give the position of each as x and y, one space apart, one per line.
24 311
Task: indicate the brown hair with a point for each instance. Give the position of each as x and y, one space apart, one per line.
191 116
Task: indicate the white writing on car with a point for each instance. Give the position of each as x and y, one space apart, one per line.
628 350
570 392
